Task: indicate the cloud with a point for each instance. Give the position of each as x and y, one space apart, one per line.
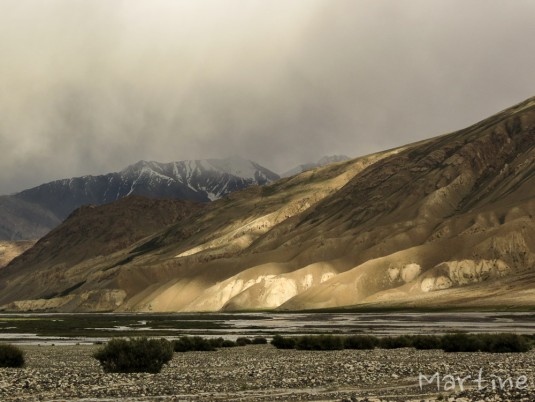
90 87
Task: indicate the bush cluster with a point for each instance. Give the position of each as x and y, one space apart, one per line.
426 342
491 343
319 342
259 340
283 342
395 342
11 356
197 343
243 341
220 343
134 355
362 342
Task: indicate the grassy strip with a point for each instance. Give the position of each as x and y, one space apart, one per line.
491 343
99 325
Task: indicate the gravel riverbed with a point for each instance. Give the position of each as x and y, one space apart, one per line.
263 373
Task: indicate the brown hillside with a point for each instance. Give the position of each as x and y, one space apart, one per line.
446 222
11 249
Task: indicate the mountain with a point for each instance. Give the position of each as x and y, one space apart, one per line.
22 220
326 160
11 249
446 222
95 233
41 208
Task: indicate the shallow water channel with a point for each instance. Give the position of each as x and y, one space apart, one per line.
89 328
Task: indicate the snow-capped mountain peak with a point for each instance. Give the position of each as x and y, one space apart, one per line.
195 180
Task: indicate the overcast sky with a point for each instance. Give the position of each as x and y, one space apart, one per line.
89 87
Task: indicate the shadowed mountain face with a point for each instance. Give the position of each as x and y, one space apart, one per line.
20 220
32 213
94 233
443 222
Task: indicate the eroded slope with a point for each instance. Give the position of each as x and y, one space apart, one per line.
447 221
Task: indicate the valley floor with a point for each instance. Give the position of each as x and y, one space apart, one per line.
263 373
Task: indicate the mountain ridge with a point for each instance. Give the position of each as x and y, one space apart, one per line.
448 220
195 180
325 160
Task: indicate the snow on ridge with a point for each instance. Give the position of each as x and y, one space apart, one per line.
151 172
203 179
235 166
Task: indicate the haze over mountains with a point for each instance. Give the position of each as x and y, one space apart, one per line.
443 222
322 162
34 212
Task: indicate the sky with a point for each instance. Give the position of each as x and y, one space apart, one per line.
90 87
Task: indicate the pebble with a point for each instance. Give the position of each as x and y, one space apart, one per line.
263 373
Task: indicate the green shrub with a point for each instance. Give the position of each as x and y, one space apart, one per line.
462 343
307 343
490 343
395 342
183 344
216 342
283 342
330 342
194 343
11 356
227 343
259 340
319 342
243 341
506 343
362 342
134 355
426 342
201 344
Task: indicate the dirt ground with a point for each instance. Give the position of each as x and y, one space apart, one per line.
263 373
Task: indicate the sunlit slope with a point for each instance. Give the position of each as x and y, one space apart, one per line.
11 249
445 222
72 254
222 258
443 214
171 267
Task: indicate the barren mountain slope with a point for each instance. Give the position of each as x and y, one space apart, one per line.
447 221
215 237
23 220
443 215
90 233
11 249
